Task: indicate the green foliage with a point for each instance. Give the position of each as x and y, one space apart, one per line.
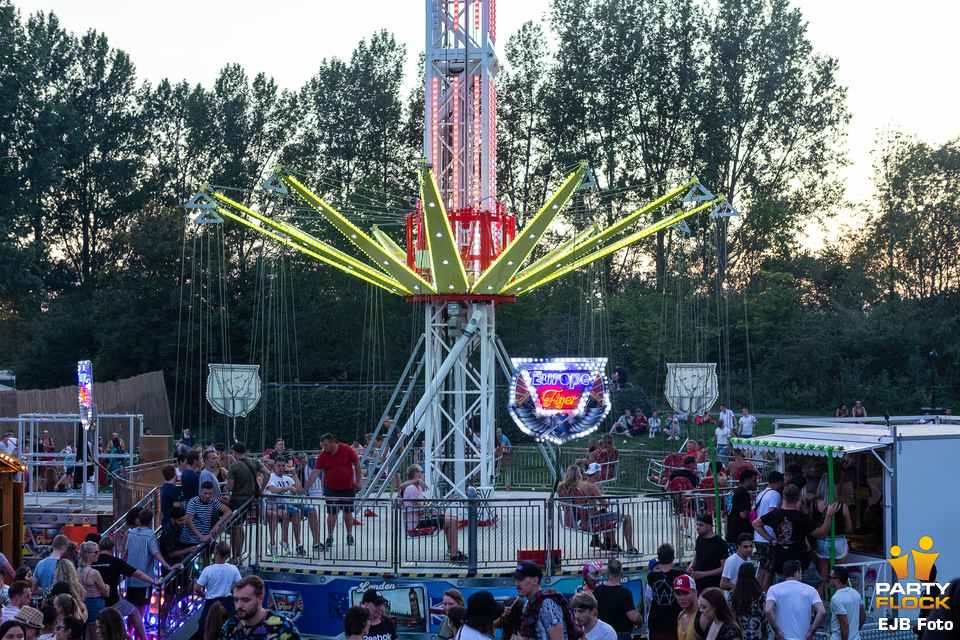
97 260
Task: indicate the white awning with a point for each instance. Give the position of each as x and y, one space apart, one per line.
810 445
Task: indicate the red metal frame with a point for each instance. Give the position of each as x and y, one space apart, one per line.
496 230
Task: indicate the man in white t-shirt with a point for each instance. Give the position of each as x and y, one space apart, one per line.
731 568
584 607
747 423
791 603
846 607
721 437
726 417
215 583
767 500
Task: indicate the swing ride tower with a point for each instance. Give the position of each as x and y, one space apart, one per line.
463 255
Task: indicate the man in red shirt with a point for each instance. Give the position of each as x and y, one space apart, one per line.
342 479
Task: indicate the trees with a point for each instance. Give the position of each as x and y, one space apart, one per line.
917 220
771 122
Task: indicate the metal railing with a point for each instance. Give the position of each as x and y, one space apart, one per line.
394 537
524 468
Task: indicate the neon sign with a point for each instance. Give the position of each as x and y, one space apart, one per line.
85 391
559 399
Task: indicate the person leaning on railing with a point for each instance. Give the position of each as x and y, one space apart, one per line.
141 551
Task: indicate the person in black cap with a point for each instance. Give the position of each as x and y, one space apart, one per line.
710 552
546 616
380 628
482 611
767 500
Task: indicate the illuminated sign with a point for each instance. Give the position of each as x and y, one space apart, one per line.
287 604
85 390
559 399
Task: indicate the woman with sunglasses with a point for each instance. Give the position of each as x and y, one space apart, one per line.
70 629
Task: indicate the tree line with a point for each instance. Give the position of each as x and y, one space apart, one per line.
98 260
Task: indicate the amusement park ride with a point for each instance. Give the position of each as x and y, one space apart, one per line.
463 254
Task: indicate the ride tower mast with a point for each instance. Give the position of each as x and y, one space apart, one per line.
459 147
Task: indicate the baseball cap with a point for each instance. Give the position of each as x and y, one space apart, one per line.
592 570
684 583
527 569
592 468
705 518
374 596
774 476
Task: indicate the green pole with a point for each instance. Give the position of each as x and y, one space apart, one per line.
716 489
830 498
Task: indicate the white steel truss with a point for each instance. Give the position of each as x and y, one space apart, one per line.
460 113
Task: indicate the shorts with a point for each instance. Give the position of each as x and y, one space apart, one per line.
436 520
236 503
601 522
764 554
840 548
336 500
94 606
302 509
138 596
123 607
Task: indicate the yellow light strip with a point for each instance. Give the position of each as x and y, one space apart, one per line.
619 244
575 240
384 260
573 252
370 275
388 244
306 238
449 275
509 262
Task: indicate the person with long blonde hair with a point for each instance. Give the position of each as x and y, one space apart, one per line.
94 589
65 572
572 479
68 607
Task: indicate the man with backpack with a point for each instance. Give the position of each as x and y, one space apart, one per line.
243 484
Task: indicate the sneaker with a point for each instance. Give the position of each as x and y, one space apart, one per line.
301 551
317 546
632 552
350 540
460 557
329 543
272 550
285 548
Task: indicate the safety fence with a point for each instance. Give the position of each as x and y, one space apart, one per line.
474 534
628 471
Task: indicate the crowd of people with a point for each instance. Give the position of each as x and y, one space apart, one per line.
718 595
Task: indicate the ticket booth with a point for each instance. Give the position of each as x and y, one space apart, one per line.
12 473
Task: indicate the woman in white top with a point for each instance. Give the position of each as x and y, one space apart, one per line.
654 423
279 484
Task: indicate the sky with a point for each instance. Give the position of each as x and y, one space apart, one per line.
895 59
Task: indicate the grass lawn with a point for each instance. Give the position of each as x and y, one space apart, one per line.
659 443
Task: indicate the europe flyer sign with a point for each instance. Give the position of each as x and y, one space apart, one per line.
559 399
